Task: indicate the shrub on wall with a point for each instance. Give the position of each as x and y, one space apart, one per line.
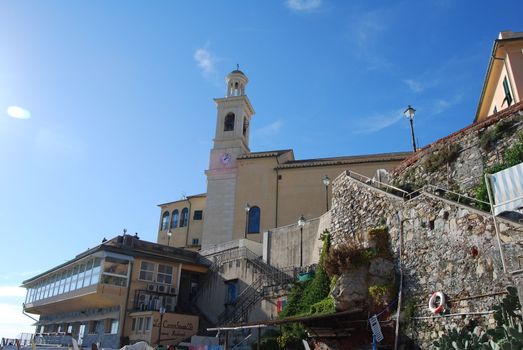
346 256
489 137
381 294
444 155
350 255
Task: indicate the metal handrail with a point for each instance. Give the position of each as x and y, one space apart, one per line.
409 195
254 292
367 179
460 195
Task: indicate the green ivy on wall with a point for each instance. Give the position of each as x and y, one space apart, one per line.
307 298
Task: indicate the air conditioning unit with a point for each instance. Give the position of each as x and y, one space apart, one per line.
152 287
162 288
172 290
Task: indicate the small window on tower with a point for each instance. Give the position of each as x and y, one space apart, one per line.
245 126
228 125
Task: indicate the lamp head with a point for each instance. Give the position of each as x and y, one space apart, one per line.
301 221
326 180
409 112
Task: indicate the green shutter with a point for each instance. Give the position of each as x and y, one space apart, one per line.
508 96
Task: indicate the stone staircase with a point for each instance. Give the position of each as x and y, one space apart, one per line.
438 191
267 276
251 295
510 226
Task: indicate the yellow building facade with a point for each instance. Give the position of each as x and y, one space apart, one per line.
503 85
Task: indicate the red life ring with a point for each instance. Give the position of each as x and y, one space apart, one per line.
437 308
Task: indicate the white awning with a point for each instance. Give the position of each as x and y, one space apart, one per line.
507 189
79 318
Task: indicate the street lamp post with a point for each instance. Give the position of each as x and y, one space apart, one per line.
162 312
247 210
301 223
169 234
326 182
409 113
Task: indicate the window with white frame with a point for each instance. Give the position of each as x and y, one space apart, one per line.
146 271
148 324
111 326
165 274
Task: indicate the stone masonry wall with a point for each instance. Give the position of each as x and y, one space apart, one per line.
463 173
446 247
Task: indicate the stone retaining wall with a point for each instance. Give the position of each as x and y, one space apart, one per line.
446 247
464 172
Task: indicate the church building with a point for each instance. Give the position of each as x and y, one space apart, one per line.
249 193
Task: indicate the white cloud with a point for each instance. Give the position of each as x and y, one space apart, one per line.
442 105
414 85
378 122
270 129
365 31
13 321
303 5
205 60
12 291
18 112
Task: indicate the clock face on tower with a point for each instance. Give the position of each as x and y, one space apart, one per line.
225 158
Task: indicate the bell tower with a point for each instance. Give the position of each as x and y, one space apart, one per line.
231 140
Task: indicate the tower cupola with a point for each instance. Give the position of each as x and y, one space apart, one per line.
236 82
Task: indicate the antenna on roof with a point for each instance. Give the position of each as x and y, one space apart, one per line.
124 231
237 66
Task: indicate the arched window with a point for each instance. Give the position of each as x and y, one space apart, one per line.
165 220
254 220
184 218
174 219
228 124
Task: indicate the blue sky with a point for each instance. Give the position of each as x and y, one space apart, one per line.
121 118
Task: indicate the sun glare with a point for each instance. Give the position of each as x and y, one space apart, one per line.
18 112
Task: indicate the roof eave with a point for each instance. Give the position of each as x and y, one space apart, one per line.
487 76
